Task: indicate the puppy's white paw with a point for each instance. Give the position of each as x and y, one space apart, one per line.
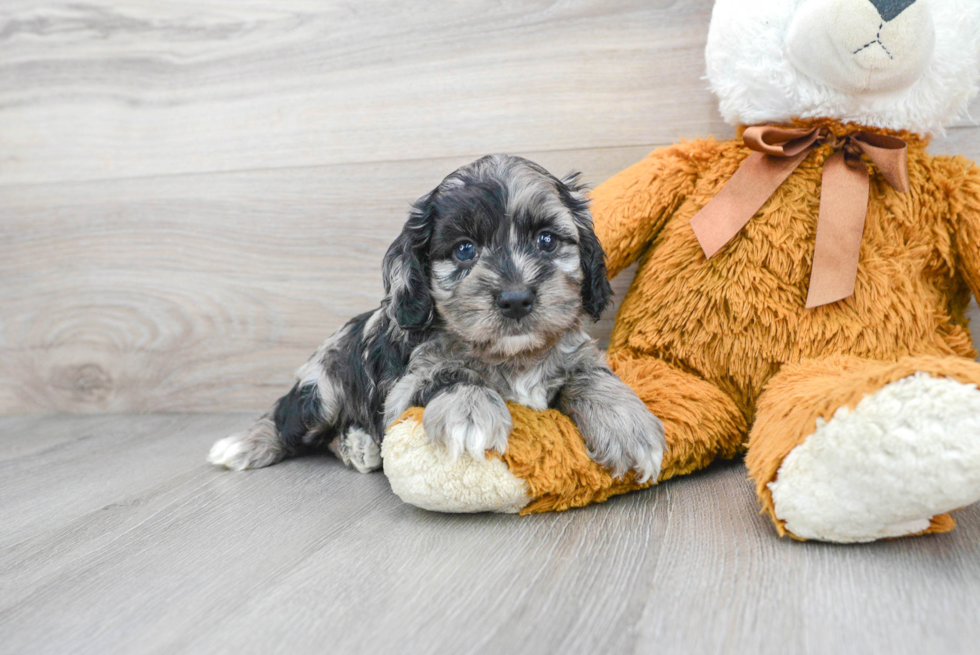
258 447
470 418
648 463
632 439
357 449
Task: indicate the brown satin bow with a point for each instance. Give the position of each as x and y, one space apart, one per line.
843 197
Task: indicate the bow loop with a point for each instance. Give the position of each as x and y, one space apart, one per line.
777 151
889 154
779 141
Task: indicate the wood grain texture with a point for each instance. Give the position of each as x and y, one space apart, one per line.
200 292
116 537
193 195
95 89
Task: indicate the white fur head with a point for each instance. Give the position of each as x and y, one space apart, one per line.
897 64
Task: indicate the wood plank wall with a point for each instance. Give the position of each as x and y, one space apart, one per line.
194 194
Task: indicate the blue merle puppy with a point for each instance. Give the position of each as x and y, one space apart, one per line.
486 291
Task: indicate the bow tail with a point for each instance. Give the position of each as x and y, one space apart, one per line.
840 227
756 179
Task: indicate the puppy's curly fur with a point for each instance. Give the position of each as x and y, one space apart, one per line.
487 287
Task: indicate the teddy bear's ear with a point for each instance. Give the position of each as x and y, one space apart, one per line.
596 292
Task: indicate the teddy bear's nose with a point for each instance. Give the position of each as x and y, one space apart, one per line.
889 9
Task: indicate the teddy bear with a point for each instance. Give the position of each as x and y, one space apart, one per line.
801 289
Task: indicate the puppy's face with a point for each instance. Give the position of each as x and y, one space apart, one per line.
509 259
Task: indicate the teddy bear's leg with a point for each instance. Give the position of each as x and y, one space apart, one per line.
546 466
848 450
701 422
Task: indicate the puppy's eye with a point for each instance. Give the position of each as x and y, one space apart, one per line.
464 251
547 242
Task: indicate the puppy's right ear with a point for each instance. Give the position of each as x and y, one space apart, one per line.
406 269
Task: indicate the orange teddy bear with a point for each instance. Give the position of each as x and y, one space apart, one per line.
835 352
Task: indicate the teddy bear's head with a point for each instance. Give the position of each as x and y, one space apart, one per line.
899 64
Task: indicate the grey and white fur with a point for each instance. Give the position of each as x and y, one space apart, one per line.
486 291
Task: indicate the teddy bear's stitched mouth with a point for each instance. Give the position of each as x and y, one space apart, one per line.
876 40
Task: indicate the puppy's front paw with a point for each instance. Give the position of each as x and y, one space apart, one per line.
470 418
633 439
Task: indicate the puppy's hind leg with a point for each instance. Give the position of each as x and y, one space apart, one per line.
358 449
293 426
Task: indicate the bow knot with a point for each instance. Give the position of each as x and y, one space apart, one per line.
777 151
835 142
852 150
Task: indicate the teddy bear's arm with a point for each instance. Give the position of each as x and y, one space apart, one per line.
965 209
630 208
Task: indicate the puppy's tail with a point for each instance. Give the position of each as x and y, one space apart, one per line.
297 423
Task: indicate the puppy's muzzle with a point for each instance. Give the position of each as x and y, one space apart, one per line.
516 303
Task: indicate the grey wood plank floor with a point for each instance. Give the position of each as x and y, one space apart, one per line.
116 537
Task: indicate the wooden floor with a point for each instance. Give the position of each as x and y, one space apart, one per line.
116 537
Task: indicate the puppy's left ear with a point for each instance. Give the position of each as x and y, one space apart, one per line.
596 292
406 269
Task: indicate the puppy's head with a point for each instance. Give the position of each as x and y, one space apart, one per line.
504 252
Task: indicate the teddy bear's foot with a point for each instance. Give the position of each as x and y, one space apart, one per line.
431 477
904 454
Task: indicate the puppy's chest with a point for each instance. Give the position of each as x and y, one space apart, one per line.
535 388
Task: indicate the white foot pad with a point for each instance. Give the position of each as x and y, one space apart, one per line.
907 452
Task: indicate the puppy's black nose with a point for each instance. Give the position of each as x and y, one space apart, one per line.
515 303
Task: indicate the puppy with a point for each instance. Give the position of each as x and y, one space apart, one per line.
486 291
